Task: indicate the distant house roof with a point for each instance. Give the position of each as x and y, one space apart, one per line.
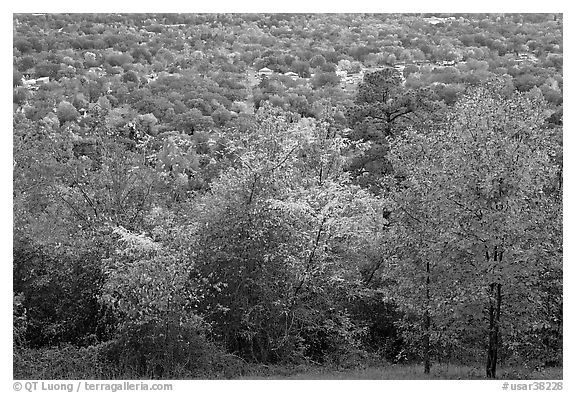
290 73
435 20
265 70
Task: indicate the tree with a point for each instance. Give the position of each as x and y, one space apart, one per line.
149 290
322 79
25 63
130 76
119 59
66 112
317 61
344 65
281 227
70 192
141 53
20 95
47 68
477 190
16 78
302 68
221 116
23 45
148 123
381 109
382 101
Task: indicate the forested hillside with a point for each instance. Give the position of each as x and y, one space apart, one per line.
216 195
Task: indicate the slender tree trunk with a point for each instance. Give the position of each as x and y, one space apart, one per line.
494 322
494 331
492 349
427 343
427 323
308 264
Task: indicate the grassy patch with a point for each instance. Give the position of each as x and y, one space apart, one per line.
391 372
84 363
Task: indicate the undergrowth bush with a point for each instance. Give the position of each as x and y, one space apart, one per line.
67 362
138 352
166 350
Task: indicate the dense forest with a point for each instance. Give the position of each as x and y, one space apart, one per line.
217 195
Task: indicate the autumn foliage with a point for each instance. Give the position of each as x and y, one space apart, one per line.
176 215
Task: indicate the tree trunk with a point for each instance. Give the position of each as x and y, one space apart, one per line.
493 334
427 323
492 348
427 343
494 322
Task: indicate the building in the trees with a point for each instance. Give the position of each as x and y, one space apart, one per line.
265 72
292 75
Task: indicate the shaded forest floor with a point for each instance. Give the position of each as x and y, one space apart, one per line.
85 363
406 372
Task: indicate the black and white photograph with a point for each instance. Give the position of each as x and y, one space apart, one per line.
287 196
